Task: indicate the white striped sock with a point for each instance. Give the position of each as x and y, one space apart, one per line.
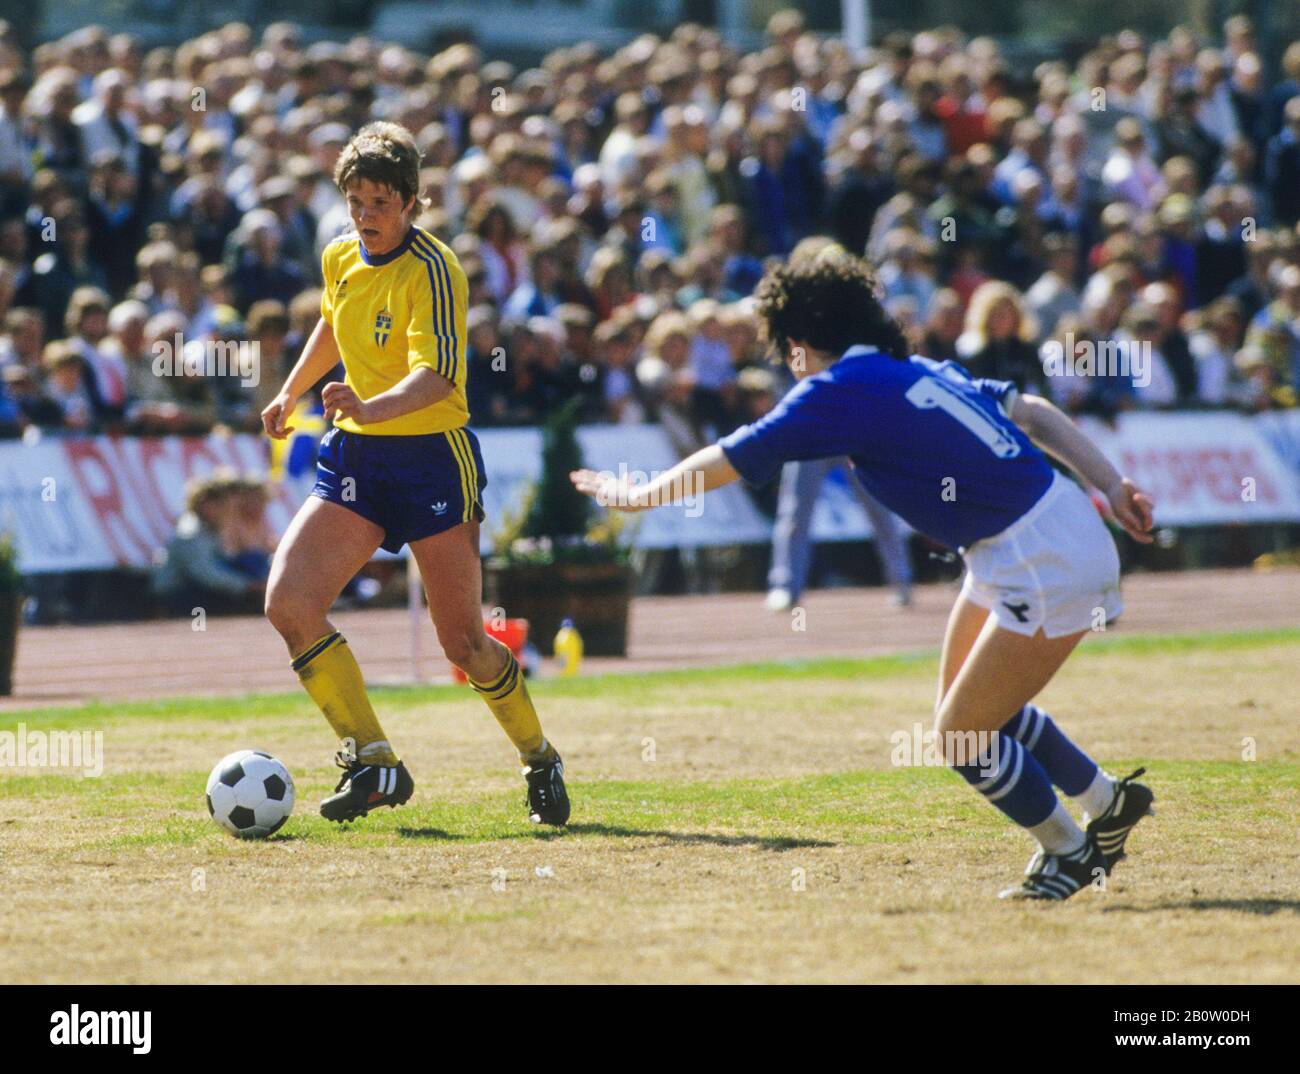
1058 834
1097 798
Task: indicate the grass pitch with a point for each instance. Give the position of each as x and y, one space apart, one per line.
733 824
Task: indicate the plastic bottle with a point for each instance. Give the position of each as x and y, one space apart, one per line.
568 648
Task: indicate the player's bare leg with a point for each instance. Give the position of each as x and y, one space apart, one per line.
321 551
449 565
965 622
324 547
1111 807
1001 673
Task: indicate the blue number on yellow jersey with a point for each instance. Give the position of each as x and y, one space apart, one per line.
932 444
393 314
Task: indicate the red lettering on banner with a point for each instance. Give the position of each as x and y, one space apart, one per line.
157 453
144 507
99 485
195 450
1178 476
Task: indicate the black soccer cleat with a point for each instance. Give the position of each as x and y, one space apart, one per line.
364 787
548 801
1110 829
1055 877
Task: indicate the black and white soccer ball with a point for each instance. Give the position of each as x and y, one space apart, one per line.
250 794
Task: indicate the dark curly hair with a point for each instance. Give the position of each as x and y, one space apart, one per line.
825 297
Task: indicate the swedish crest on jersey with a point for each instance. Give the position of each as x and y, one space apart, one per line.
383 326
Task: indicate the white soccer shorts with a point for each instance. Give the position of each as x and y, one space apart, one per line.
1055 568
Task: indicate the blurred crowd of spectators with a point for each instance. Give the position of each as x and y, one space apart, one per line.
613 213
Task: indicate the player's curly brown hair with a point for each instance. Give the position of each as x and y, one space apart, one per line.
384 153
826 298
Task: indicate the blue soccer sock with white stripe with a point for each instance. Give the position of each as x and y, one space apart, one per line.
1068 767
1012 780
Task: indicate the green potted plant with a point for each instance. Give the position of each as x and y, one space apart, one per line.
554 560
11 610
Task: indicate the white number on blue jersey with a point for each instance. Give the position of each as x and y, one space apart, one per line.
929 392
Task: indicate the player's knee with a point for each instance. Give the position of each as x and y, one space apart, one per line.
463 647
285 612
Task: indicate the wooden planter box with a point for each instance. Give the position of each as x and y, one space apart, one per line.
596 596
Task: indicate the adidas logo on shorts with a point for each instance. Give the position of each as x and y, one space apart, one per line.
440 507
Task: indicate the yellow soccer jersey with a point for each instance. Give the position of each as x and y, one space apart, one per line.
392 314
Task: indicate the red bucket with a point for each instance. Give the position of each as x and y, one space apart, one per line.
512 633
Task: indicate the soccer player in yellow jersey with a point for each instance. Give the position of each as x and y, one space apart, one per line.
397 467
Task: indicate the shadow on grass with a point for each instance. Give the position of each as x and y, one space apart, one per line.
764 842
434 833
1261 907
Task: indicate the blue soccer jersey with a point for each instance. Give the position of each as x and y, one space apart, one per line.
931 443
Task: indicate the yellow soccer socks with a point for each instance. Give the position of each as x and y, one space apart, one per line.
330 674
507 696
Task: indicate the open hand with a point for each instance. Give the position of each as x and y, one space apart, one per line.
607 490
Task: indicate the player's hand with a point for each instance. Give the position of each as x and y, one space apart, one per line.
277 412
1133 509
607 490
344 402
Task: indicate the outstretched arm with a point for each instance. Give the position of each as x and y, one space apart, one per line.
707 469
1060 437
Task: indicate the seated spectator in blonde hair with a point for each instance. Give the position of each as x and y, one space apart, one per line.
195 570
998 341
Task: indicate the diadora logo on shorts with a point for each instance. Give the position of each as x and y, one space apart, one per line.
1020 611
383 326
440 508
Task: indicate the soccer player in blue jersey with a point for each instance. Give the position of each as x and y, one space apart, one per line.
961 460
